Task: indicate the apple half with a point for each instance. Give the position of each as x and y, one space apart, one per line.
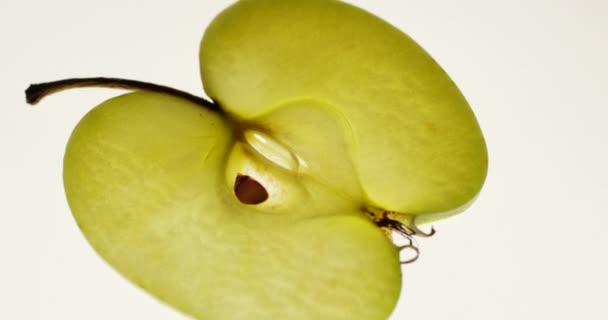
328 128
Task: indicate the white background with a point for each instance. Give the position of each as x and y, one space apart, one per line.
532 247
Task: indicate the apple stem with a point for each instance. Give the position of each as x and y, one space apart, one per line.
36 92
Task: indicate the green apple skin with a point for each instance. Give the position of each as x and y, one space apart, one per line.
413 141
145 177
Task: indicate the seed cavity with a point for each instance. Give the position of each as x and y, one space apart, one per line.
272 149
249 191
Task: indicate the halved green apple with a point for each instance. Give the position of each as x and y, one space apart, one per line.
328 128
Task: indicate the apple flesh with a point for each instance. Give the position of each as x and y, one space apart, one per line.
412 142
146 177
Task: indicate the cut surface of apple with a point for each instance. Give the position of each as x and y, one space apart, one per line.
415 144
146 178
329 127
